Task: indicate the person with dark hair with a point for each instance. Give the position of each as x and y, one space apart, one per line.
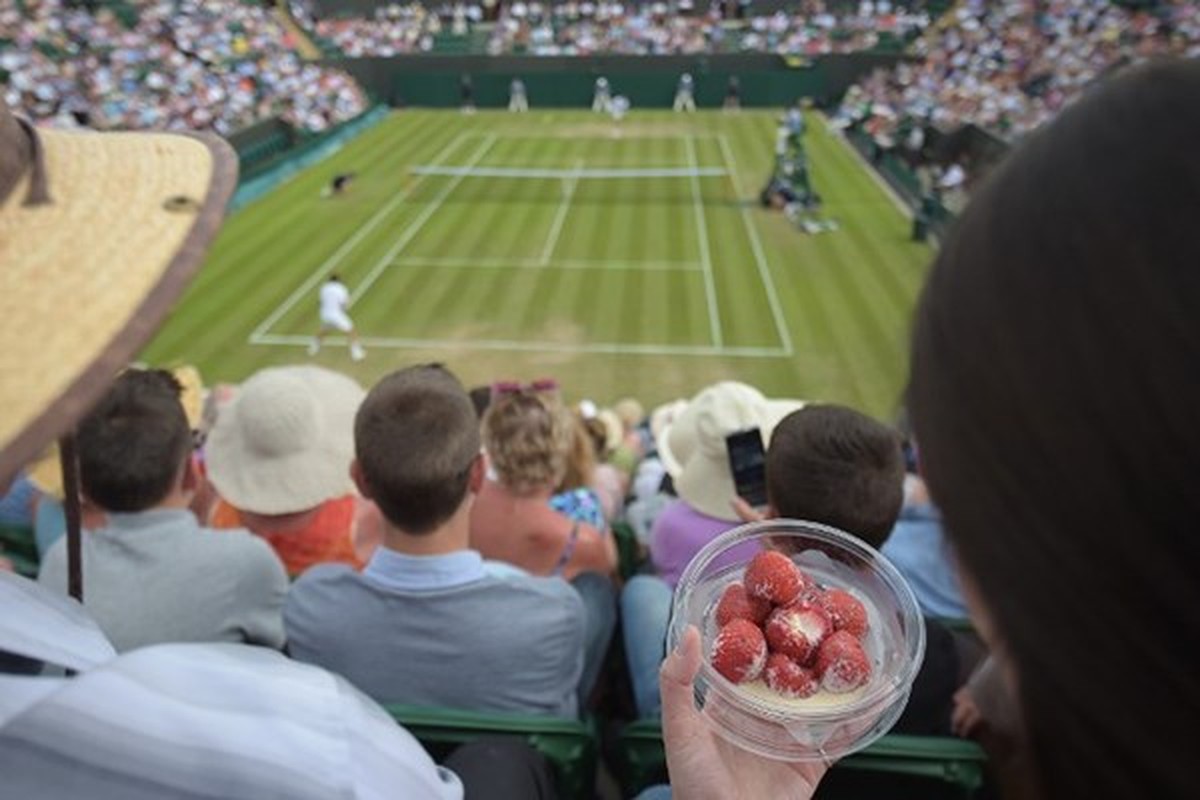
466 94
153 574
1053 392
428 622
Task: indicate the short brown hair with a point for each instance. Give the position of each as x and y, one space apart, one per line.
416 437
133 444
527 438
832 465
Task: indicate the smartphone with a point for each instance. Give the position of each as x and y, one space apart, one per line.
748 463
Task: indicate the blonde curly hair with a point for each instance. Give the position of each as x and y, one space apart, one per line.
528 438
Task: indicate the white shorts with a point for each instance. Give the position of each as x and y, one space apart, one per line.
336 319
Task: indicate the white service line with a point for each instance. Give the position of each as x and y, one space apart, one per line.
760 258
536 263
517 345
415 227
710 289
336 257
569 184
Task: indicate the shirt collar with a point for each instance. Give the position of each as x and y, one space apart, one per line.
151 518
394 570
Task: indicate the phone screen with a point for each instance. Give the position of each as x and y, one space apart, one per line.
748 463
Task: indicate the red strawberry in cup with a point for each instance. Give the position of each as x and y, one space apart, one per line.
842 664
845 611
785 676
797 631
772 576
740 651
736 604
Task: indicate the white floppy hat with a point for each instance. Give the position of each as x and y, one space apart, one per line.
286 441
692 447
99 234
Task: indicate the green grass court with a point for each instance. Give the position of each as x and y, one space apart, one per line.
621 262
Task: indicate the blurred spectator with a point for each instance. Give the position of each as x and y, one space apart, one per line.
426 623
153 574
180 65
397 29
279 457
527 435
918 549
693 449
1009 66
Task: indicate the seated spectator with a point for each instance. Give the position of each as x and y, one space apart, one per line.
279 457
153 573
577 495
527 436
426 623
837 467
693 450
919 550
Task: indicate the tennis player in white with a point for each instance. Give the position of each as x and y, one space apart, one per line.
335 299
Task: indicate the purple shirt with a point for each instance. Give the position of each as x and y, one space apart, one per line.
678 535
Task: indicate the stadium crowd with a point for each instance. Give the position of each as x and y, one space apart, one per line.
395 29
1010 66
170 64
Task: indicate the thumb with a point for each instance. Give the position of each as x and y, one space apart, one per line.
675 685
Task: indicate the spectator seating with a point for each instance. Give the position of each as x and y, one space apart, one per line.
571 746
17 545
937 766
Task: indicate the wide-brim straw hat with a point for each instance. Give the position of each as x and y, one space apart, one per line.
99 234
286 441
692 446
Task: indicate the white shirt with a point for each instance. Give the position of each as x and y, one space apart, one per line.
334 297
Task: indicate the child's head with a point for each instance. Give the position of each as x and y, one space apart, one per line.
832 465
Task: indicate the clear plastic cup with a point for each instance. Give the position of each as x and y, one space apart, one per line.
822 728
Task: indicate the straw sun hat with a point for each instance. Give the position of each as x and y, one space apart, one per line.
692 445
286 441
99 234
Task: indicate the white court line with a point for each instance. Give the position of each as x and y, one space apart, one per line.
336 257
599 348
875 176
760 258
537 263
560 216
415 227
710 289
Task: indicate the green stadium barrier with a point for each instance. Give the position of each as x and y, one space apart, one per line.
288 160
570 746
935 765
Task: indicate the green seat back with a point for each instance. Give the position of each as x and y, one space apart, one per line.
570 746
946 765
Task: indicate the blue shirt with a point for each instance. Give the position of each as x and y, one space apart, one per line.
919 551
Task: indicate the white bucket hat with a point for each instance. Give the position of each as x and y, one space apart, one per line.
286 441
692 447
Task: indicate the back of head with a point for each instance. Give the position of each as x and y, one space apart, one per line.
833 465
133 443
415 438
527 438
1054 394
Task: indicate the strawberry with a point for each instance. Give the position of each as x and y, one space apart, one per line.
772 576
797 632
789 678
842 664
846 612
739 651
736 604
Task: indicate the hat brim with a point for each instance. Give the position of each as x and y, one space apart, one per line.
298 480
130 219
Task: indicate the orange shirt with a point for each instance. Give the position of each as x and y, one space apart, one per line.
327 537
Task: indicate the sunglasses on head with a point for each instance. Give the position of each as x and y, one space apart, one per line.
539 386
